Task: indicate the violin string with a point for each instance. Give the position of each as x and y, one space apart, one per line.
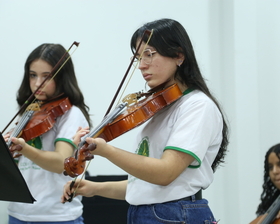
21 123
15 132
18 128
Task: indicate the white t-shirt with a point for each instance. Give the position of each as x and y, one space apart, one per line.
193 125
45 186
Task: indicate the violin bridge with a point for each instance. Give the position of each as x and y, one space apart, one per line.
131 98
34 107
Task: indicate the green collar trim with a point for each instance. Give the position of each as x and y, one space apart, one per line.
188 90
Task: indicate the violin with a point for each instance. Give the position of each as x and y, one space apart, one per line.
39 118
269 216
121 121
44 119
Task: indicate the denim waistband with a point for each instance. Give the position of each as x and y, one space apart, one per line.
197 196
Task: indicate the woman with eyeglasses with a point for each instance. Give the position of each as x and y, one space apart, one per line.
178 149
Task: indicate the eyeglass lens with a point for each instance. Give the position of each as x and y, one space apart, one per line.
146 57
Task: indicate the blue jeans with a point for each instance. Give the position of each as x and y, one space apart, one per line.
13 220
180 212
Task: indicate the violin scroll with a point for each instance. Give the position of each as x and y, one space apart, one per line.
76 166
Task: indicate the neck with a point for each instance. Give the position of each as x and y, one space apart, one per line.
181 86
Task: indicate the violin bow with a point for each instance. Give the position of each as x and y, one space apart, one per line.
146 32
50 75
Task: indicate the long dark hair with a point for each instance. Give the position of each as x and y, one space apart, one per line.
170 39
270 192
66 82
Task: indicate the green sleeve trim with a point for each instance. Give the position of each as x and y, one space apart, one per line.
188 152
66 140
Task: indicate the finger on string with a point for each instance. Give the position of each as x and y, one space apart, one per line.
91 146
17 148
14 149
16 155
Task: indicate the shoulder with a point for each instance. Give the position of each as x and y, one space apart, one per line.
75 111
196 105
74 114
197 98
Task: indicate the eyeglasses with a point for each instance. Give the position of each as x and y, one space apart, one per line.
146 57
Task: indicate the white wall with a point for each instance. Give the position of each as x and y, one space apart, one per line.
237 47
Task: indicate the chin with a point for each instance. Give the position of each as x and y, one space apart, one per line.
277 185
40 97
152 85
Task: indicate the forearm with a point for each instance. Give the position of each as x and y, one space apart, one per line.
157 171
48 160
161 171
87 188
139 166
112 189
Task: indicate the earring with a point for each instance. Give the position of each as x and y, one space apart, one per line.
146 86
179 64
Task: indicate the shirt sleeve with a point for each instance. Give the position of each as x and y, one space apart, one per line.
68 124
197 127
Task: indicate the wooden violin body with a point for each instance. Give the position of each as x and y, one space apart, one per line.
44 119
133 116
38 119
140 112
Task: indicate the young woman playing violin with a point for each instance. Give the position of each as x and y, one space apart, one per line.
178 149
271 188
41 163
